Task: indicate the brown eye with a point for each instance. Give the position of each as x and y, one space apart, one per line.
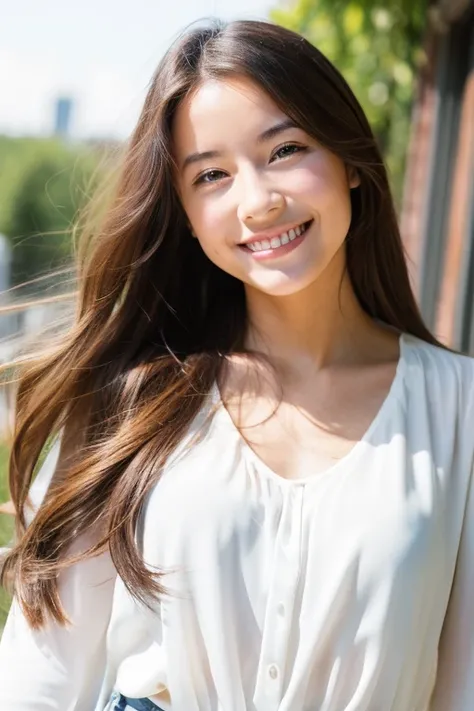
211 176
288 150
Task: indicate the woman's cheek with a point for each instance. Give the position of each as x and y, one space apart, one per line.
213 225
212 241
304 185
319 180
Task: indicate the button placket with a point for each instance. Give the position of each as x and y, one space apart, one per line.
280 602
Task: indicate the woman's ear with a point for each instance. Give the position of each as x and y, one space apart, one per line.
191 229
353 177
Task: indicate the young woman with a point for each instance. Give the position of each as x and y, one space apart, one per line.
258 496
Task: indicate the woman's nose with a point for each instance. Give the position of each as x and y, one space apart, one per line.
258 200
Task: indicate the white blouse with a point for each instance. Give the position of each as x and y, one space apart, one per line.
350 590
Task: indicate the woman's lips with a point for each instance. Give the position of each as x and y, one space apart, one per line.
281 249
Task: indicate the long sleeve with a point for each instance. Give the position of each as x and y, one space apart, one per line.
454 689
59 668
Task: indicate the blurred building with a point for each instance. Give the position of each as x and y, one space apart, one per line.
63 113
438 209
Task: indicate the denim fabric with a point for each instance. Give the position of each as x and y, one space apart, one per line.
121 703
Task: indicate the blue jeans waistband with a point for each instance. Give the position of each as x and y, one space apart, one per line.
124 703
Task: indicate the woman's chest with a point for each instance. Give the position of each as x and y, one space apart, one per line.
314 428
385 515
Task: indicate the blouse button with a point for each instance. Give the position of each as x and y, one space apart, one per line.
281 609
273 671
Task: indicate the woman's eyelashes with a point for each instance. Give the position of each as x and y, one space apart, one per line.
285 151
289 146
207 177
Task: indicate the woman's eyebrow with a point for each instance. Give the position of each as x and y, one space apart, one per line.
266 135
195 157
276 129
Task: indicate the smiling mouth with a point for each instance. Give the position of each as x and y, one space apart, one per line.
267 245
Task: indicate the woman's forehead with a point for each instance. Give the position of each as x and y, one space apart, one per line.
221 111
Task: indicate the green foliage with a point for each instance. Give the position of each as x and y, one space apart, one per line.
377 47
42 185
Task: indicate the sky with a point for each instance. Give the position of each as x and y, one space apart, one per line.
101 53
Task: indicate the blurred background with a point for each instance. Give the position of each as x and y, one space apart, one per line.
73 77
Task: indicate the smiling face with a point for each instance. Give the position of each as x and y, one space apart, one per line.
268 204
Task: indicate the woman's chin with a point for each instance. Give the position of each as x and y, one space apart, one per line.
282 284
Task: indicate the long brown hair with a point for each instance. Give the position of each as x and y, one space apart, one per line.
155 318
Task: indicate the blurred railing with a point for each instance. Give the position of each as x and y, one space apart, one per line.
22 327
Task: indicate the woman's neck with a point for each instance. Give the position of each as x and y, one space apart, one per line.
319 326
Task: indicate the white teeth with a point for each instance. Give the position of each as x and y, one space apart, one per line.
276 242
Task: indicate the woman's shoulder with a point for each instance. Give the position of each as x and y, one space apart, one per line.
445 373
431 354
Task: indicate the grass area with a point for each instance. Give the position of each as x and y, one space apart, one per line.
6 521
6 526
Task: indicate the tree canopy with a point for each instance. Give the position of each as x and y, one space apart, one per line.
377 46
43 183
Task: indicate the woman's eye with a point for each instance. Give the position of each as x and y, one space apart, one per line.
211 176
288 150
